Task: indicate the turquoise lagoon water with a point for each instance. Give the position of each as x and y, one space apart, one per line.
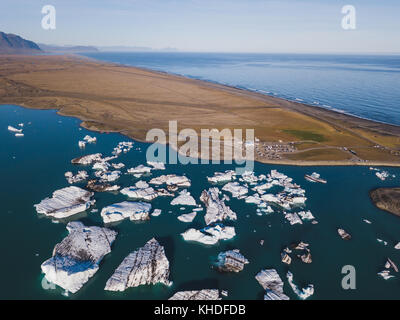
33 166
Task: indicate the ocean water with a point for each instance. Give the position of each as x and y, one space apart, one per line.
33 166
362 85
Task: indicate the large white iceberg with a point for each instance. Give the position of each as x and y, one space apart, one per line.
171 179
124 210
205 294
235 189
147 265
65 202
272 284
184 199
217 210
77 257
209 235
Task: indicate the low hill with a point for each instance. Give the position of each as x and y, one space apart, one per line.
67 49
13 44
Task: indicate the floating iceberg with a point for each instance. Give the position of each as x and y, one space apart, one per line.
101 186
171 180
272 284
235 189
140 169
303 293
293 218
77 257
205 294
145 266
65 202
209 235
231 261
120 211
156 212
80 176
220 177
90 139
140 191
188 217
89 159
217 210
15 130
108 176
156 165
184 199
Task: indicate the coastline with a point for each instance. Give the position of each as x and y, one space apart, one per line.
352 126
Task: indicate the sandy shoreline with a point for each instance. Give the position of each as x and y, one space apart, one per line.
109 97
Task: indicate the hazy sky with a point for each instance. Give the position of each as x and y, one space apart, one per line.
211 25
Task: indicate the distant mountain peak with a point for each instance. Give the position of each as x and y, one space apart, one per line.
14 44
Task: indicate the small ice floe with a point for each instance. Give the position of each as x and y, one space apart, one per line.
382 174
385 274
90 139
19 135
20 125
224 293
77 257
171 180
187 217
389 265
80 176
209 235
201 295
118 166
235 189
382 242
82 144
96 186
122 147
272 284
140 170
156 165
343 234
301 250
156 212
108 176
102 166
397 246
94 210
220 177
184 199
293 218
367 221
141 190
13 129
65 202
88 159
217 210
314 177
304 293
231 261
306 215
146 266
135 211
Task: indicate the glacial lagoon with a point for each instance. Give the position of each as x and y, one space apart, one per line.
33 167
